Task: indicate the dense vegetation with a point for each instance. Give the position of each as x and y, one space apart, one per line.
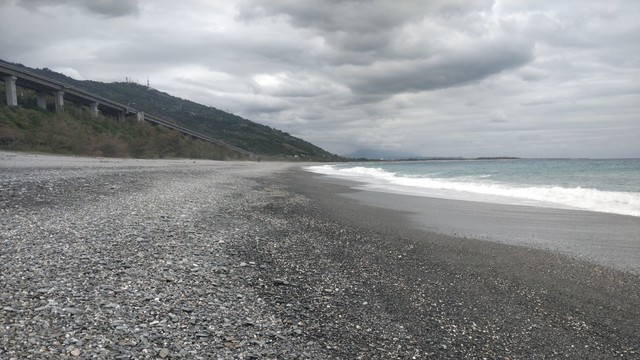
75 132
255 138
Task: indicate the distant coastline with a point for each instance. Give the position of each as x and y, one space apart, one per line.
445 158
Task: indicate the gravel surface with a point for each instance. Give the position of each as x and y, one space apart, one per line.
122 261
373 286
132 259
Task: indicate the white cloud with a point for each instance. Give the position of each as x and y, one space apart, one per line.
70 72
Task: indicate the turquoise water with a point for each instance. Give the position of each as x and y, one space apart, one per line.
597 185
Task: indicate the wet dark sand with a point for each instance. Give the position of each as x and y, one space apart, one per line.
421 290
606 239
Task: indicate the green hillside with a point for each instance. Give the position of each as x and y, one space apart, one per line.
245 134
76 132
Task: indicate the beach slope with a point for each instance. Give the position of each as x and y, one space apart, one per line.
176 258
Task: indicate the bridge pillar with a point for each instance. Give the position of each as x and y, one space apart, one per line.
10 89
42 100
58 97
140 115
94 110
121 116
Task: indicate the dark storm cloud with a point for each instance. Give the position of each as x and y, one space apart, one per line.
358 16
380 48
455 68
106 8
359 26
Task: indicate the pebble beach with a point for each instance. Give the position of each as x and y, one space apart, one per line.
193 259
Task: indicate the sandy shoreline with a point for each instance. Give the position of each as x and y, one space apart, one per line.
255 260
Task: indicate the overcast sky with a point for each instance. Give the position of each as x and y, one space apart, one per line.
529 78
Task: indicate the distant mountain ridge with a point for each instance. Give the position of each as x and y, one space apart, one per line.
232 129
375 154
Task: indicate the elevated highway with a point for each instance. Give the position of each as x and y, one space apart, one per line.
14 76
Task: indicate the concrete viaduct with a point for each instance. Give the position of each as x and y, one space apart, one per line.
16 76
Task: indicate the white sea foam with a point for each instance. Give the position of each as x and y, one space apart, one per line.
481 188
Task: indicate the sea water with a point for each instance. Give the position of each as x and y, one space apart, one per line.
611 186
